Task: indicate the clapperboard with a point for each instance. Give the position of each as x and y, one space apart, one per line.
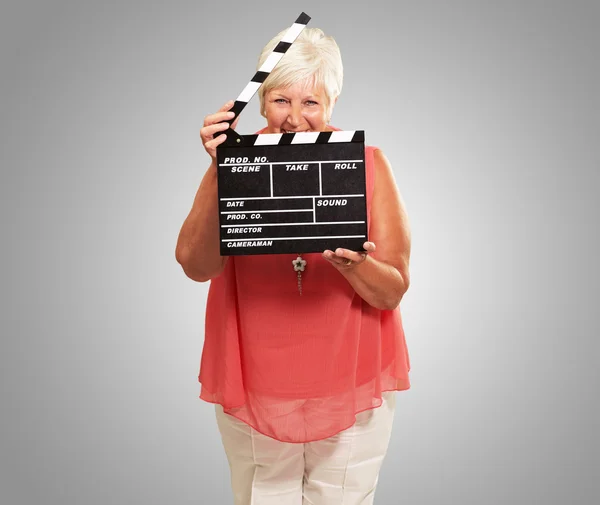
290 192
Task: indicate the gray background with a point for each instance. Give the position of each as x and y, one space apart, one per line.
489 113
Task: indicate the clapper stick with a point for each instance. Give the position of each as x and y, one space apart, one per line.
263 72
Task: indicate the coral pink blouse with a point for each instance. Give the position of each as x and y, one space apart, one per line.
298 368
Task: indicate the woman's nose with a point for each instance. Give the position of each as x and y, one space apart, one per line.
295 116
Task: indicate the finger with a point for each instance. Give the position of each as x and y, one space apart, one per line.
351 255
369 247
227 105
212 144
332 258
208 132
336 260
218 117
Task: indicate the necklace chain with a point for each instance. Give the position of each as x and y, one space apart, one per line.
299 266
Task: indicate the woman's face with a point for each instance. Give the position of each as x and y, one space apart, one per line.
299 108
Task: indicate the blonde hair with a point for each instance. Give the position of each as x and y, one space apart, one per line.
313 57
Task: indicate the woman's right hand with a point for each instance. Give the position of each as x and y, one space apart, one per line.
214 124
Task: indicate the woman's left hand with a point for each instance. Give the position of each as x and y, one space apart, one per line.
345 259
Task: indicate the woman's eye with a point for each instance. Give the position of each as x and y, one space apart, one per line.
280 100
311 102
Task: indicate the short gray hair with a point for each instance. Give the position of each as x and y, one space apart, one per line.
313 56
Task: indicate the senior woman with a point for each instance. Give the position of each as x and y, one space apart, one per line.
303 384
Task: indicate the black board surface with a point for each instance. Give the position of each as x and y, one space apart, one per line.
292 193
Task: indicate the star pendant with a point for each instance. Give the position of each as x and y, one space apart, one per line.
299 264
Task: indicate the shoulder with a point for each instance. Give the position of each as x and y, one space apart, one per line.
380 164
378 156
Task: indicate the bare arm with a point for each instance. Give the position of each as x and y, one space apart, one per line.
197 248
381 277
198 243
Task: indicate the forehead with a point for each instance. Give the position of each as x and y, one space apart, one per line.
300 89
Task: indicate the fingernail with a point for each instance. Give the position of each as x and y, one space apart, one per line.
231 114
339 252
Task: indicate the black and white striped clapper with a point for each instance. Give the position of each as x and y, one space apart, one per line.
270 63
290 192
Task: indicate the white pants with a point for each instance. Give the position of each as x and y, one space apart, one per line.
340 470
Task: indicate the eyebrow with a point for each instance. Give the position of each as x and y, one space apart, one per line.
308 97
